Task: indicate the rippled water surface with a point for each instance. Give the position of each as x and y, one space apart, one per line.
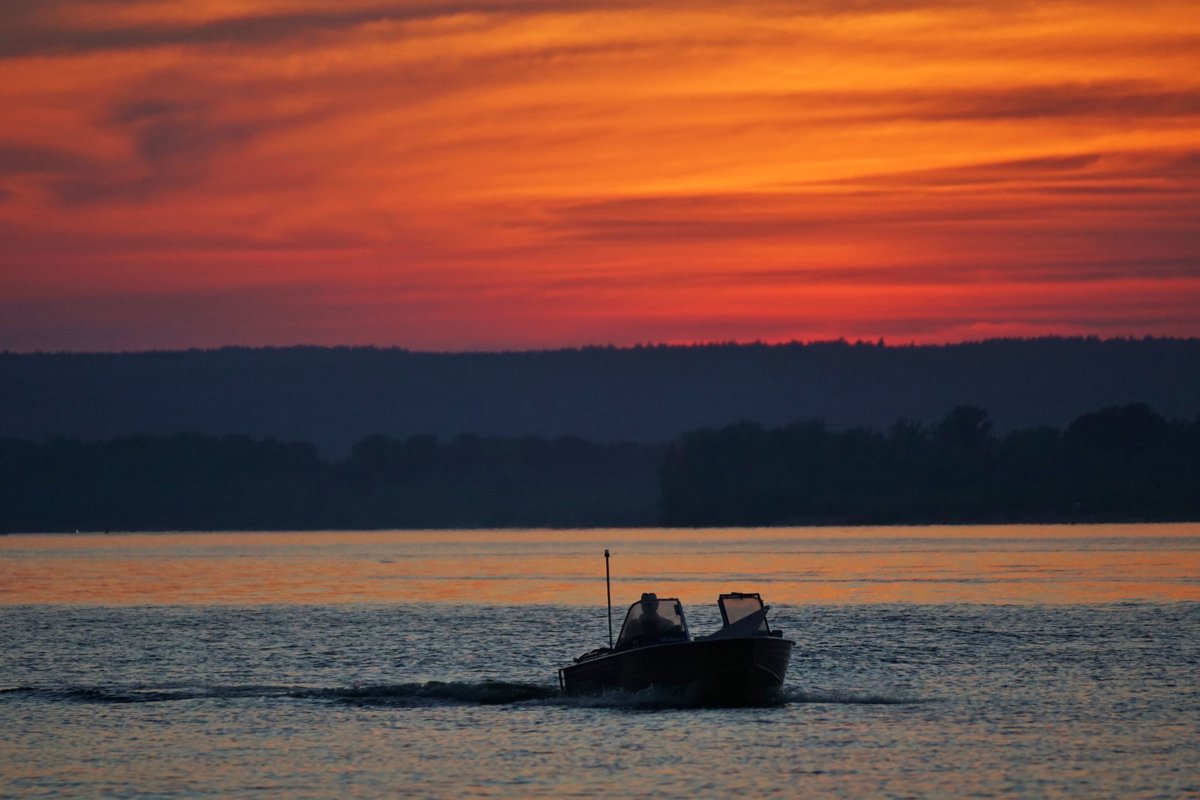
1007 661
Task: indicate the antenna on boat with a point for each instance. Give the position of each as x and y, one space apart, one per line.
608 586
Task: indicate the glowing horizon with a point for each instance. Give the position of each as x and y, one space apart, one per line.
482 176
1010 564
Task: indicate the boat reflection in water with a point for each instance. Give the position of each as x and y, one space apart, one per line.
743 661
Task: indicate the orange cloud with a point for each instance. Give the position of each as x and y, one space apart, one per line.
481 174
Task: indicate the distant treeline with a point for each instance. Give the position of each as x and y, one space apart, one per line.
1118 463
194 482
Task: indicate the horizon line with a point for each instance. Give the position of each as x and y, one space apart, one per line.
728 343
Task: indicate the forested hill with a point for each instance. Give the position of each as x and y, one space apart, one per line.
336 396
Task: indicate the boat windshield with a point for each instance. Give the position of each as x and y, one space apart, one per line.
652 620
738 605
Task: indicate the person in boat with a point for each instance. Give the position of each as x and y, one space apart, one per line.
650 626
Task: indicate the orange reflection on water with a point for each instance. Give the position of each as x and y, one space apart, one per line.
960 564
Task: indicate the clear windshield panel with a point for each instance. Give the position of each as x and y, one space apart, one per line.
738 606
653 621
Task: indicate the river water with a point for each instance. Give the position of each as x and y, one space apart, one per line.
954 661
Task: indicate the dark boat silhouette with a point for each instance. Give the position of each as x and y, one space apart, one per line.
743 661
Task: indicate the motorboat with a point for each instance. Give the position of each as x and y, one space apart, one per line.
743 661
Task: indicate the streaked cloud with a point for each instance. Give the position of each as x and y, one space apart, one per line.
445 174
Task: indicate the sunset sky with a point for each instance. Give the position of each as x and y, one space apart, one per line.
489 175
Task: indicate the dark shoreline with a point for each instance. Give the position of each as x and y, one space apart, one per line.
1121 464
663 528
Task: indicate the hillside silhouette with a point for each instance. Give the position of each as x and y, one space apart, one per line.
335 397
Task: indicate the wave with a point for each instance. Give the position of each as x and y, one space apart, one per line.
431 693
844 697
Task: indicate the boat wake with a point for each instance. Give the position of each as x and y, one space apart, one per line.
489 693
433 693
401 694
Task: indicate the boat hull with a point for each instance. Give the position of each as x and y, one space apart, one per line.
720 669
